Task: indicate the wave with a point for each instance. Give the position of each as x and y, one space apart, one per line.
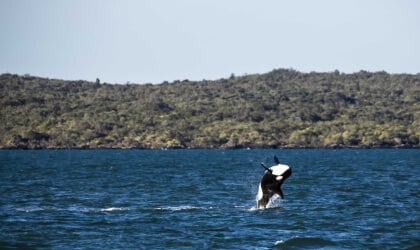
111 209
182 208
306 242
83 209
31 209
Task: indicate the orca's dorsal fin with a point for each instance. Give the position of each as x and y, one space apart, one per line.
276 160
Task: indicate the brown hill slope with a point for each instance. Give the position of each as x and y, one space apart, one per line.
282 108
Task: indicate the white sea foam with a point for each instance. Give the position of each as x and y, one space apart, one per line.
254 208
110 209
29 209
180 208
279 242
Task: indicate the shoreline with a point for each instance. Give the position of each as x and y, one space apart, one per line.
211 148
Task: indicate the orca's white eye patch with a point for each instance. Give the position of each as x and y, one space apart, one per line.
279 178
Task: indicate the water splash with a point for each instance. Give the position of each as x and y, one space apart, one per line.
274 202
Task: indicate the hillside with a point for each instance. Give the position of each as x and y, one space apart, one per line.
282 108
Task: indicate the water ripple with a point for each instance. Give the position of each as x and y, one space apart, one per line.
205 199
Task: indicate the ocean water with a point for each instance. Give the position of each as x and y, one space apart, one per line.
205 199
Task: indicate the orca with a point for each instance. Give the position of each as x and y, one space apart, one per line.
271 182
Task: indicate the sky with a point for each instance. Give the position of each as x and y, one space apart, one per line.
151 41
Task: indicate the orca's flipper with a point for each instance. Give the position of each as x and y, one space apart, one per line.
276 160
269 170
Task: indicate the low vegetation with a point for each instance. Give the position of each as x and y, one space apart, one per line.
282 108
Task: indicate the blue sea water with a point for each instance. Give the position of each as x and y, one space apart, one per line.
205 199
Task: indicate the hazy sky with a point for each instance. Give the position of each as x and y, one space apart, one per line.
144 41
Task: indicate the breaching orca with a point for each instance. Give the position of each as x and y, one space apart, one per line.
271 182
